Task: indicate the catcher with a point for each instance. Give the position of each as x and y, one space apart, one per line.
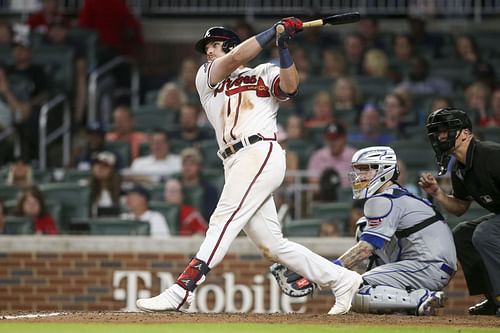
403 235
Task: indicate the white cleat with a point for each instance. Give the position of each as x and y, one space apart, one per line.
344 292
174 298
432 301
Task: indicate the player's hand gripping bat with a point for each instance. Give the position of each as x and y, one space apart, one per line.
343 18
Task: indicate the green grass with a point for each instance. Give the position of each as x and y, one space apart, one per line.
225 328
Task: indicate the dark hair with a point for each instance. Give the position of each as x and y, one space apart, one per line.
35 192
160 131
113 185
329 183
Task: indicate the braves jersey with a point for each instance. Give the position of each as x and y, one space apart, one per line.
243 104
385 215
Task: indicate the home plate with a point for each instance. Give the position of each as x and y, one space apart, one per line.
34 315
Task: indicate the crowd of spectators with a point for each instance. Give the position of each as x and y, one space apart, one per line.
366 87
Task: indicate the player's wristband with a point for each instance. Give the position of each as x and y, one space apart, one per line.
338 262
286 59
265 36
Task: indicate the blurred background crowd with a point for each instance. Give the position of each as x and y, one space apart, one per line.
101 126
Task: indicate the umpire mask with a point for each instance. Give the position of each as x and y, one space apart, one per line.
443 127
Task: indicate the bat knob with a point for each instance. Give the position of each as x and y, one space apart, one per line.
280 28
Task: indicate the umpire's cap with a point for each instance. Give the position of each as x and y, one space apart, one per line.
229 37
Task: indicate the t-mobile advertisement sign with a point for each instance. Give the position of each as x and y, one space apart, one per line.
250 298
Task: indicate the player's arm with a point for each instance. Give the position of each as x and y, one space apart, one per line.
359 252
240 55
289 77
249 49
378 223
452 204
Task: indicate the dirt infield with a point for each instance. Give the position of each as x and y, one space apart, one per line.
176 317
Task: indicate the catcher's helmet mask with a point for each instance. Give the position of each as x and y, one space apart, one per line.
372 167
449 120
229 38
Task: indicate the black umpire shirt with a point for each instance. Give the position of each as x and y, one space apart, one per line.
479 178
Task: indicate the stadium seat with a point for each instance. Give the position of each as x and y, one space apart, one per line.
303 149
89 39
345 194
58 63
302 228
73 198
284 114
315 135
313 85
18 225
170 212
74 175
156 191
193 196
53 208
148 120
178 145
209 150
457 72
122 149
488 133
373 87
346 117
8 192
5 54
359 144
338 211
415 154
118 226
151 96
215 176
417 134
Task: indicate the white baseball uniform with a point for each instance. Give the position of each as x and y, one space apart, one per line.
243 105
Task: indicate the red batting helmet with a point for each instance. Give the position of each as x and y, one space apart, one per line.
230 39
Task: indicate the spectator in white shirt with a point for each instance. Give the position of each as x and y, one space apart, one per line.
137 204
159 164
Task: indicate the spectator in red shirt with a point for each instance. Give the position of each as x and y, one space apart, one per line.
40 20
190 220
119 30
32 204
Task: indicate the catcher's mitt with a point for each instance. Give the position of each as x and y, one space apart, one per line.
291 283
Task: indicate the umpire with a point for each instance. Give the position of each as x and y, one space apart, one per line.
475 176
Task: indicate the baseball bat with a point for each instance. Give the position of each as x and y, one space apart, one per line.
342 18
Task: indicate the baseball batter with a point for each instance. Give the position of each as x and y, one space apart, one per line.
413 247
241 104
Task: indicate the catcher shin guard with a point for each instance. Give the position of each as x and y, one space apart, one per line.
193 275
385 299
